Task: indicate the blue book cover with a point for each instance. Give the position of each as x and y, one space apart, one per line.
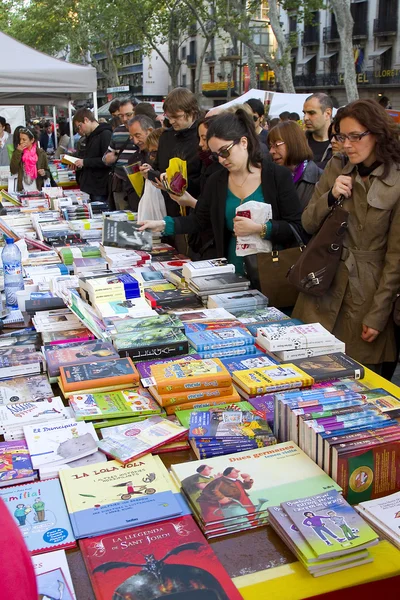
219 338
40 513
258 359
242 351
228 425
252 327
108 497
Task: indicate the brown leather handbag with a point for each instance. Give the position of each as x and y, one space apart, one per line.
314 271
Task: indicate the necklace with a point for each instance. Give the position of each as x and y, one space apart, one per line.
243 182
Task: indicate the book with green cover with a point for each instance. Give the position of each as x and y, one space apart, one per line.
329 524
113 405
140 325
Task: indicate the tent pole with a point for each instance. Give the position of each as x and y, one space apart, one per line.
55 128
71 128
95 109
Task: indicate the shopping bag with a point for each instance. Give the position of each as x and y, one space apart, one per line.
152 204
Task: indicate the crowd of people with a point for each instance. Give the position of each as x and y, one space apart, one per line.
233 156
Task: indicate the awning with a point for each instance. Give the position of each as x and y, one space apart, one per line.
378 52
306 59
328 56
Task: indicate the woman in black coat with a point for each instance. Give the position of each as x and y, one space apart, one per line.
246 176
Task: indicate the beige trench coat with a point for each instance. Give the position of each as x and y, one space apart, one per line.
368 277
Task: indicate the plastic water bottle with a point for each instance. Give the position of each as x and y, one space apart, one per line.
13 277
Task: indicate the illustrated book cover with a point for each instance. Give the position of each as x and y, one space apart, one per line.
99 374
180 376
113 405
15 463
31 388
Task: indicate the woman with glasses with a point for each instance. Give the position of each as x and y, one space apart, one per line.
29 162
357 308
246 176
289 147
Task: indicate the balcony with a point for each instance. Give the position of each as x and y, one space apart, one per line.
385 25
330 34
191 59
210 57
310 36
360 29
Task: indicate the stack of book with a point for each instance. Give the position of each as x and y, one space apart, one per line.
75 353
216 432
172 299
68 253
383 515
83 266
232 493
297 341
238 301
120 258
97 289
14 416
20 360
201 268
265 380
219 338
324 532
186 382
207 285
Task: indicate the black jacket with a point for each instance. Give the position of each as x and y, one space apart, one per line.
278 190
306 184
94 175
44 140
180 144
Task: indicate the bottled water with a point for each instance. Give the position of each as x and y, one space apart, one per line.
13 277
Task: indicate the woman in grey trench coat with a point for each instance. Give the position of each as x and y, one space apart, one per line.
358 306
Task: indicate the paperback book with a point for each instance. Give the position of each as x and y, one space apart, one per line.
15 463
180 376
13 417
383 514
219 338
330 366
104 373
79 353
113 405
271 379
31 388
50 561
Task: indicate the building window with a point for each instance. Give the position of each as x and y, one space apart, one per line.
183 52
212 74
386 60
184 80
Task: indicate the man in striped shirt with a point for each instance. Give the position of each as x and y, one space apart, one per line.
121 152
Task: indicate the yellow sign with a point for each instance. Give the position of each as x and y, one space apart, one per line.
220 85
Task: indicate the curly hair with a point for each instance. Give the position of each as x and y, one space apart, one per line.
378 122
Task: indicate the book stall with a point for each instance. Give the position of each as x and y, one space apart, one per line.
167 433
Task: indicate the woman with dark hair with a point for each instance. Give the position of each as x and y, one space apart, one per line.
246 176
257 108
357 308
289 147
29 162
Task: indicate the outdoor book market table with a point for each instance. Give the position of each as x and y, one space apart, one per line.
261 565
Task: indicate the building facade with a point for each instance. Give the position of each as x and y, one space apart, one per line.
317 60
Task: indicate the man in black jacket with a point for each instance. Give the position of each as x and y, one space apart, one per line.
94 175
48 139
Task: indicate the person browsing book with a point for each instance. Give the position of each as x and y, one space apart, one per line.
29 162
289 147
357 308
246 176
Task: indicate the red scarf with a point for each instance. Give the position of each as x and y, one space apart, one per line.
30 158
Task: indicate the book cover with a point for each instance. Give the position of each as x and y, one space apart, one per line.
234 398
110 496
289 355
59 442
329 524
206 283
171 559
278 337
134 308
53 584
144 367
126 234
113 405
80 353
179 376
20 414
128 442
268 314
254 327
15 463
206 314
270 379
219 338
267 477
39 511
190 396
229 352
20 360
49 561
265 405
183 416
259 359
240 300
230 425
330 366
32 388
149 337
136 325
384 513
99 374
172 298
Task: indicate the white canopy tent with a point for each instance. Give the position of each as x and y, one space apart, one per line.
31 77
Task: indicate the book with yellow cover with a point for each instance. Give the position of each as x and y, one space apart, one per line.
233 398
180 376
190 395
109 496
271 379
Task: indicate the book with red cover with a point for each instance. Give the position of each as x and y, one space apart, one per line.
170 560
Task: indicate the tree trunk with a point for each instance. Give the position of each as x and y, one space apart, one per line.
199 69
252 68
284 70
112 72
345 23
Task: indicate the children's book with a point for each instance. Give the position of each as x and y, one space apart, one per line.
60 442
110 496
329 524
53 584
271 379
176 557
39 511
128 442
13 417
230 425
140 325
229 352
277 337
113 405
15 463
219 338
179 376
79 353
234 398
183 416
144 367
50 561
99 374
31 388
330 366
190 396
259 359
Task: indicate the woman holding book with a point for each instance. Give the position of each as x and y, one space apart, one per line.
358 306
289 147
29 162
246 176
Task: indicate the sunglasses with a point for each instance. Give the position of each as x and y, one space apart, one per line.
225 152
255 118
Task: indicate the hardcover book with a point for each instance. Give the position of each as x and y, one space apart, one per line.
170 299
42 563
219 338
276 337
173 409
20 360
122 309
117 371
60 442
156 322
207 267
240 300
15 463
259 359
38 509
267 314
113 405
79 353
180 376
330 366
144 367
128 442
32 388
110 496
174 556
209 283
